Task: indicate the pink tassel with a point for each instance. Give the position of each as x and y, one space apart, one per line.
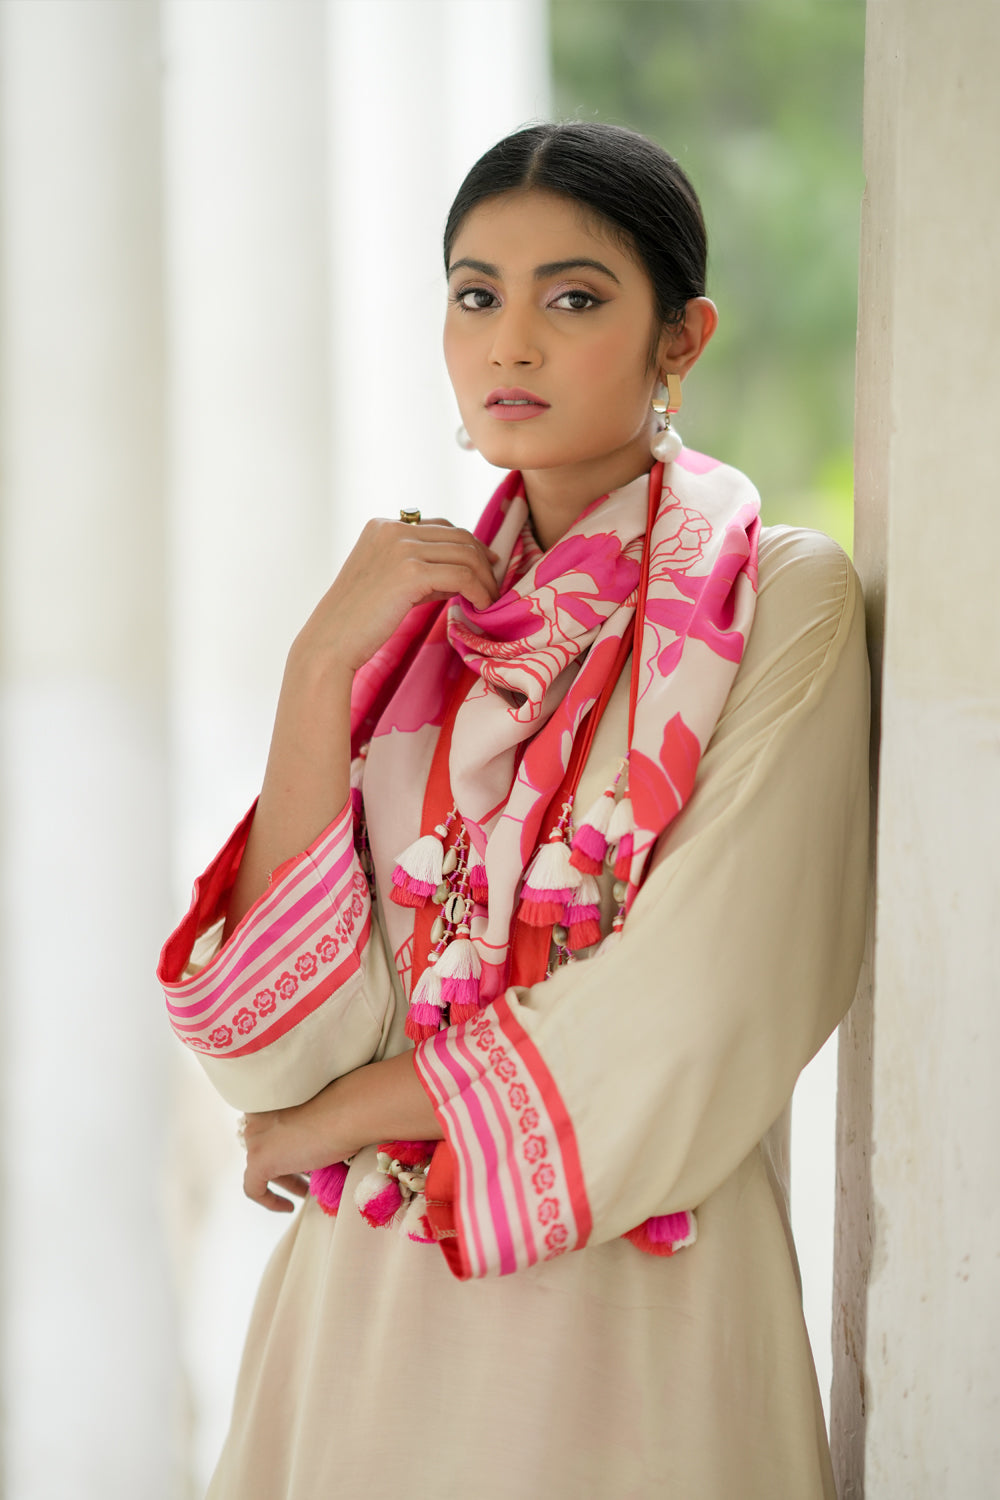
327 1186
425 1016
664 1234
623 858
418 871
583 916
459 969
550 882
416 1225
479 884
590 841
379 1198
408 1153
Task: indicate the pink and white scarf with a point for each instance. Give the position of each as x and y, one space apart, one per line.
513 685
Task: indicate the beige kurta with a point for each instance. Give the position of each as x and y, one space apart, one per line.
370 1371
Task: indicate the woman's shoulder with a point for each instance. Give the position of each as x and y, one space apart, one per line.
810 612
805 580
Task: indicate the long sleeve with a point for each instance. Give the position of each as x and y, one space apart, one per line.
635 1083
301 992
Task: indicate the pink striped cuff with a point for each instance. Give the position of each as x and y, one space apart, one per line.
298 943
514 1184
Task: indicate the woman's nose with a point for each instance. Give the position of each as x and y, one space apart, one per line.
514 340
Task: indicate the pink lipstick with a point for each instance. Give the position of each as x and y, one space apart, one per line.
512 404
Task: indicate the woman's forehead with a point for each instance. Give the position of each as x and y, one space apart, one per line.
529 227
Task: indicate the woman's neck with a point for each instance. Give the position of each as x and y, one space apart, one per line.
558 496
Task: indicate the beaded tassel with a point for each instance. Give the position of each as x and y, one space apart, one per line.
327 1186
416 1225
479 887
418 870
621 837
425 1016
379 1198
664 1234
400 1174
590 842
459 969
550 881
582 919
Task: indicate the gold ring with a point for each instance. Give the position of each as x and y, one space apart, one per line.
411 517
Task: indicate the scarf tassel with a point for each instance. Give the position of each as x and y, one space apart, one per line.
621 838
582 919
550 883
459 969
327 1186
416 1225
418 871
479 885
664 1234
590 842
379 1199
425 1016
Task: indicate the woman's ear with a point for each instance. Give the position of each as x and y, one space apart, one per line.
680 347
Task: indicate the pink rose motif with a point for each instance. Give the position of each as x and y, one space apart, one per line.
535 1148
556 1238
287 985
220 1037
518 1095
687 545
485 1039
264 1002
306 966
548 1210
359 882
529 1120
544 1178
357 906
244 1021
348 921
327 948
502 1065
480 1024
199 1044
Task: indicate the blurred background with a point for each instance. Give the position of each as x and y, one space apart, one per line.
220 299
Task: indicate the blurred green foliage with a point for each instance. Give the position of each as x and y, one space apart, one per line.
760 101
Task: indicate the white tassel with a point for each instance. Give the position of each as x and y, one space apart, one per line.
458 961
550 870
423 860
622 821
599 816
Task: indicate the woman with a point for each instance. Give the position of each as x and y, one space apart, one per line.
582 800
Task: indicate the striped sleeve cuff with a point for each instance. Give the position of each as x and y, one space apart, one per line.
505 1189
299 942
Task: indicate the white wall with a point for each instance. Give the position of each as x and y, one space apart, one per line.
917 1403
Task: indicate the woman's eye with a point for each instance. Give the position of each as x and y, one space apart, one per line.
476 299
575 301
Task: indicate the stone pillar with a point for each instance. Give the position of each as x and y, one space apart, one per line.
87 1346
917 1390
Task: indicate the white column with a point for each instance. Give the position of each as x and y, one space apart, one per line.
249 533
89 1399
926 1414
417 93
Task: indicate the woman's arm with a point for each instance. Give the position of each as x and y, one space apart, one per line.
382 1101
393 567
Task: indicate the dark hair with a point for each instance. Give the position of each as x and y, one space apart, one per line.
634 186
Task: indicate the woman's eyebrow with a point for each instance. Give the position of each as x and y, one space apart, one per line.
551 268
557 267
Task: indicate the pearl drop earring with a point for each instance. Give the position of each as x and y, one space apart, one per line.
463 440
666 443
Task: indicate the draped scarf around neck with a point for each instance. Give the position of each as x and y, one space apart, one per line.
539 657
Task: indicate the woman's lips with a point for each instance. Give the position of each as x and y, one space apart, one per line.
514 405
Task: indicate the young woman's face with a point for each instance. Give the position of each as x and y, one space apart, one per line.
547 340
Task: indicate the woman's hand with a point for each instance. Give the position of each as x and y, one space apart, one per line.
394 565
381 1101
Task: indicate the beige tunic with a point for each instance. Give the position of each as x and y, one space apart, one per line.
607 1374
